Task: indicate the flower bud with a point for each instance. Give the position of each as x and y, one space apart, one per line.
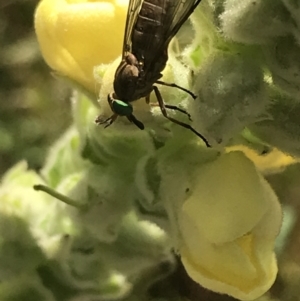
294 10
64 158
16 239
254 22
283 60
282 131
25 287
75 36
231 94
228 226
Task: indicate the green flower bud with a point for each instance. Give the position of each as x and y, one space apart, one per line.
282 131
231 94
19 252
283 60
99 198
206 35
25 287
106 146
64 158
255 22
115 287
139 245
294 9
44 217
148 180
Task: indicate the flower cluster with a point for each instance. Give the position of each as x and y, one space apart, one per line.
132 201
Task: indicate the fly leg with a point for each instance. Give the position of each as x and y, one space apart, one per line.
111 119
164 112
108 121
175 108
176 86
171 107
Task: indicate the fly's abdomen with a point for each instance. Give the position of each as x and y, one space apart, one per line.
148 32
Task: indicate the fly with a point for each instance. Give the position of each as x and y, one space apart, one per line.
150 26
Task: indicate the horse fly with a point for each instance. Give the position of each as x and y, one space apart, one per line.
150 26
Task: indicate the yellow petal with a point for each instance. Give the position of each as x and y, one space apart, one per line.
224 263
272 162
75 36
226 190
244 267
227 270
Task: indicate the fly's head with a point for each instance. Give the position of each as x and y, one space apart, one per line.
125 89
118 106
123 108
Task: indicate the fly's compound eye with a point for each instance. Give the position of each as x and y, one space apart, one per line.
122 108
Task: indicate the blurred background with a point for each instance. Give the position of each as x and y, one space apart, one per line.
35 111
34 107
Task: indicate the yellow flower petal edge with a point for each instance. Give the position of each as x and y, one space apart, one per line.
273 162
228 231
77 35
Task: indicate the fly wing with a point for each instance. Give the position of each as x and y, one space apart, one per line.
158 21
181 9
134 7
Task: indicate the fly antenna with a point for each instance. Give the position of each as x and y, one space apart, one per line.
138 123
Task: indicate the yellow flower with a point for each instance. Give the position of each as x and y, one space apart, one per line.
228 227
77 35
273 162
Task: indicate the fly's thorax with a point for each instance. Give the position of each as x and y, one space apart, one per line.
130 59
126 78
